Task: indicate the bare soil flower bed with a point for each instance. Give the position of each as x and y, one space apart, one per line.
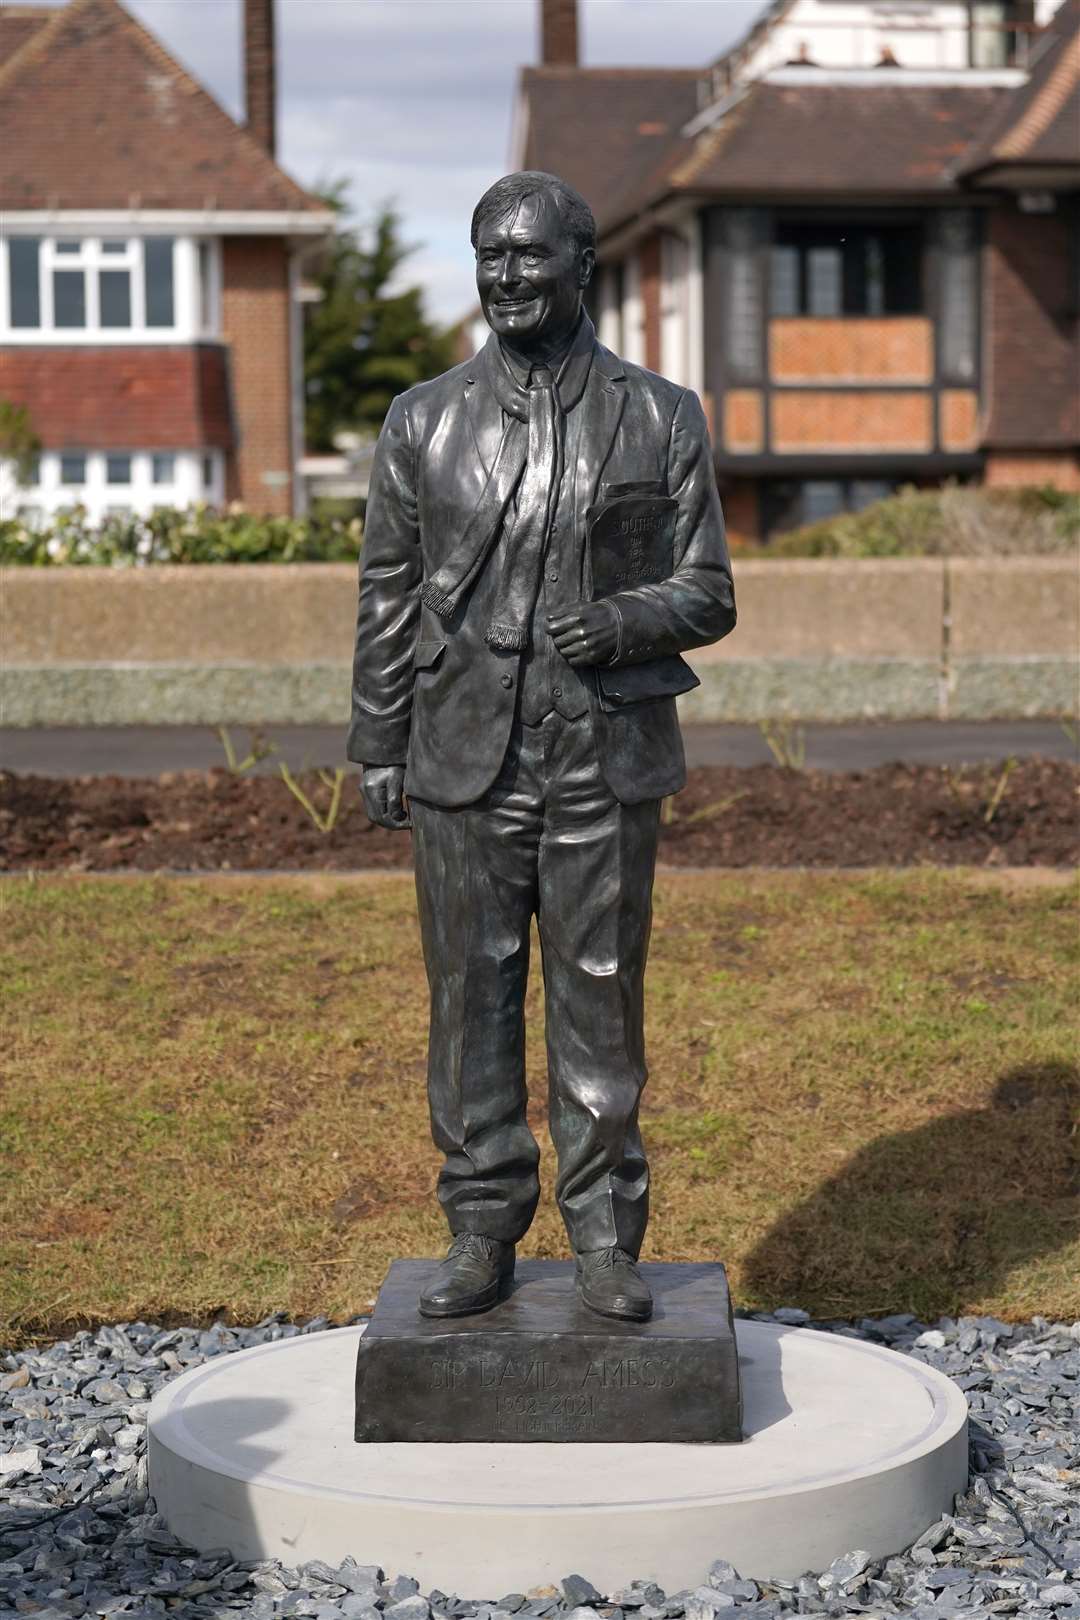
1016 813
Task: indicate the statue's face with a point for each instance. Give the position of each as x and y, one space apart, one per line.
530 275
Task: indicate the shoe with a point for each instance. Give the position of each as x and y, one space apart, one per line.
610 1283
474 1276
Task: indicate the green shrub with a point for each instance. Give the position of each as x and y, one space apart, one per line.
200 534
957 521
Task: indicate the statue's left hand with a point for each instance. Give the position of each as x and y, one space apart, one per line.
383 787
587 634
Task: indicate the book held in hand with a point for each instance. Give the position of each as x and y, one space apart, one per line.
631 542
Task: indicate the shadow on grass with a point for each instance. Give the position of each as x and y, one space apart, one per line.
935 1219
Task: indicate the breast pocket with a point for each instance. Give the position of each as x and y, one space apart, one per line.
634 486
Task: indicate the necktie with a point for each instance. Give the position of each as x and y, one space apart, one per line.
522 546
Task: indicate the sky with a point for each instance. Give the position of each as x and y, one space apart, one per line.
412 100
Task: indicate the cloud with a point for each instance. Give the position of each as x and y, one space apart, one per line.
412 100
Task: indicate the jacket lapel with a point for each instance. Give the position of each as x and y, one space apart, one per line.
485 413
603 402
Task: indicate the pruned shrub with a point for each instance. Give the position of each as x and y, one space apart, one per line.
199 534
955 521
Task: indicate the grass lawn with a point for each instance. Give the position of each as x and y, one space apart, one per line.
864 1094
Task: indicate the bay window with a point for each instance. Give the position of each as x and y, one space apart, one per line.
821 268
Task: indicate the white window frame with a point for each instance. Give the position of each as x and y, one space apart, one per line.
207 315
190 321
49 495
675 256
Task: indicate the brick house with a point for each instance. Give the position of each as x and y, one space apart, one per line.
149 269
857 235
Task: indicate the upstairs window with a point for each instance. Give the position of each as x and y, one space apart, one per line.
91 284
836 269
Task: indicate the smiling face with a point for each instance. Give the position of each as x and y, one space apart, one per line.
530 275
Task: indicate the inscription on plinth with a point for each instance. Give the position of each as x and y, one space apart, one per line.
542 1366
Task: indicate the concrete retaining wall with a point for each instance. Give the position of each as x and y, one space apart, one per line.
817 640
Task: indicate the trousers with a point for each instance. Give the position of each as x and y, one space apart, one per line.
549 840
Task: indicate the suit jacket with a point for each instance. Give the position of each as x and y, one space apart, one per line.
432 694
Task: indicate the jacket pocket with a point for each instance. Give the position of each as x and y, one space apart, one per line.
428 653
625 684
640 486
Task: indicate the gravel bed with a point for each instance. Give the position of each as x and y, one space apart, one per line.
79 1534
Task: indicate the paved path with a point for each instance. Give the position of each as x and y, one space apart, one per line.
149 750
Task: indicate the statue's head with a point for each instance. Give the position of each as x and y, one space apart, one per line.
535 241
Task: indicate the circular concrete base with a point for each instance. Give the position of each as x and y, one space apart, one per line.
848 1446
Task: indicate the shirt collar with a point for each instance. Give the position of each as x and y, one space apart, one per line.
570 366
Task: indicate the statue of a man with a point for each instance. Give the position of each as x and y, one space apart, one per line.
522 723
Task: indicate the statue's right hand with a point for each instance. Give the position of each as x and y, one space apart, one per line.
384 799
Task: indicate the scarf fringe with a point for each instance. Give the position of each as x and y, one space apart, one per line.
439 602
506 637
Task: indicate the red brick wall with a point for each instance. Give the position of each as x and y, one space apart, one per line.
1009 470
959 419
259 78
558 33
739 498
255 323
649 259
1033 332
851 349
744 420
811 420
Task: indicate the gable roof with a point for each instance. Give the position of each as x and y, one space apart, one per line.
95 114
604 129
618 137
1039 127
829 137
797 132
17 23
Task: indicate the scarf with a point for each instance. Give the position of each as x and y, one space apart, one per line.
529 456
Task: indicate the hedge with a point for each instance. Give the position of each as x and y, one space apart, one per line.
199 534
953 521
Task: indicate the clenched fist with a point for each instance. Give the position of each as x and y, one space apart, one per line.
384 799
587 634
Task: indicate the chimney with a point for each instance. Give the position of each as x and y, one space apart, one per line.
558 33
260 99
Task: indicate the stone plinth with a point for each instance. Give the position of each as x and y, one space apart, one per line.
541 1366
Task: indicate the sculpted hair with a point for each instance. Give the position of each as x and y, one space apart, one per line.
506 193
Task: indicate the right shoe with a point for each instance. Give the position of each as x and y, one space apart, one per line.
610 1283
475 1275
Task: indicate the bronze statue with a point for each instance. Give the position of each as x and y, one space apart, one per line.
543 539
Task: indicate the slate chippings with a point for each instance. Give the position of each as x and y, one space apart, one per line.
79 1534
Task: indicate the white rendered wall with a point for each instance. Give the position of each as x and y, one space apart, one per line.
845 35
674 307
633 322
609 312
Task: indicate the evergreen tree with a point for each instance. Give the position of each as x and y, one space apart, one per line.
363 344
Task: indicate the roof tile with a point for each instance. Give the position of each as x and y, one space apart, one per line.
95 114
1040 123
135 397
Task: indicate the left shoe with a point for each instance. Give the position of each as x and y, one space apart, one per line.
610 1283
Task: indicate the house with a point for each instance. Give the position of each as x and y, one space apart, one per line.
149 269
856 235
